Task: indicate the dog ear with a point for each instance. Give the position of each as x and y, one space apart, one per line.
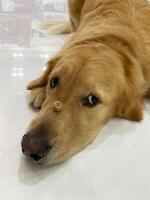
130 103
42 80
130 107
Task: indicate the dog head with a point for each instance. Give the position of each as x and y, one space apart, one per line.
85 86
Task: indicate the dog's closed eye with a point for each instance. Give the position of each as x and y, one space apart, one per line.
91 101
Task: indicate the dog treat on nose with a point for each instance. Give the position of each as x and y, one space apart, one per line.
57 106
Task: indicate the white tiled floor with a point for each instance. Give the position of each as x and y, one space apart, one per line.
115 166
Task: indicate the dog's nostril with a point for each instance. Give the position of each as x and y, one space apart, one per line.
22 150
35 157
48 148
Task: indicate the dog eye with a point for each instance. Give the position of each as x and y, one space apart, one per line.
54 82
91 101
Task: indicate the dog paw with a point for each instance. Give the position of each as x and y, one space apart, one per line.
37 96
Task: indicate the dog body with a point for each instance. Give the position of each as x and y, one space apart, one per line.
103 71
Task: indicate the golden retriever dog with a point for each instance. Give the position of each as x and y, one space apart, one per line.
103 71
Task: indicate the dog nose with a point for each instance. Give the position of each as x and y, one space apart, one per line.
35 147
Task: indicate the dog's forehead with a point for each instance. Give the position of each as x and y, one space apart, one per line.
66 70
87 74
79 75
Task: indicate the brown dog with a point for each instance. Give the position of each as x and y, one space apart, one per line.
103 71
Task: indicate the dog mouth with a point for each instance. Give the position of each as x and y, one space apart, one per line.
34 157
36 160
50 159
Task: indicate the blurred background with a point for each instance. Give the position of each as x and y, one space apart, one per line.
19 17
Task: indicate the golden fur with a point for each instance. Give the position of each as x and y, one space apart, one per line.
107 55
